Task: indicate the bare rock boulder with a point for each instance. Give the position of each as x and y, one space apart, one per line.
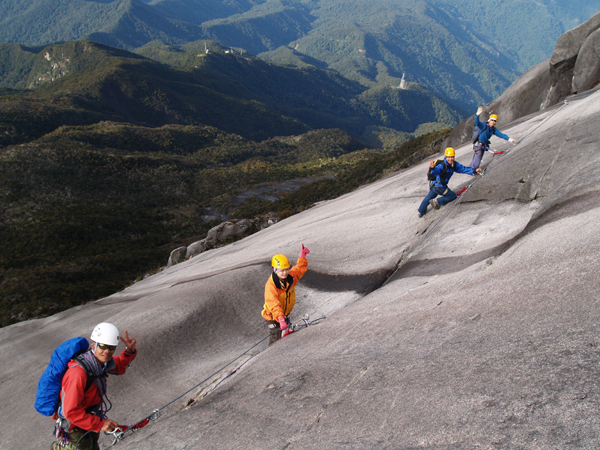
586 73
177 256
195 249
224 232
564 58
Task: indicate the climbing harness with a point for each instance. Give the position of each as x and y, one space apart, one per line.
62 436
60 431
122 431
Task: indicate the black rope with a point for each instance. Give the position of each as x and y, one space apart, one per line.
209 377
120 435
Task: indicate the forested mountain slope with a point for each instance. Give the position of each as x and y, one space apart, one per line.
83 82
109 160
463 50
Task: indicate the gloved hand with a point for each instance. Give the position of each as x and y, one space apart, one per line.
304 252
282 323
479 110
512 141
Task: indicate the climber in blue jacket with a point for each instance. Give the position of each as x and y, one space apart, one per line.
482 135
439 174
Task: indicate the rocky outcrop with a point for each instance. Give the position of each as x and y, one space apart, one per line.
568 49
177 256
573 68
220 234
586 73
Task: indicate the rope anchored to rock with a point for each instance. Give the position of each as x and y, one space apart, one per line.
123 431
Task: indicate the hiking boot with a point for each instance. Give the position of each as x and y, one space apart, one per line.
434 203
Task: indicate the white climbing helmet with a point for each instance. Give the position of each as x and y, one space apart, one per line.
105 333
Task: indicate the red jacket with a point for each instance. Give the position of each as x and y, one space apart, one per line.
75 401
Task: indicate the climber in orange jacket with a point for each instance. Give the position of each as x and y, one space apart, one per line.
280 293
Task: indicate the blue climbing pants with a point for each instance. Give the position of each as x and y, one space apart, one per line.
447 195
478 150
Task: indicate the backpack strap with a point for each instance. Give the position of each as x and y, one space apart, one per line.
480 131
88 371
90 377
442 175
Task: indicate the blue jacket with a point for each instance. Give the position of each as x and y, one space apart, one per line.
488 131
438 170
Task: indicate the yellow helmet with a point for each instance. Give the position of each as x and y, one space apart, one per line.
493 117
449 152
280 262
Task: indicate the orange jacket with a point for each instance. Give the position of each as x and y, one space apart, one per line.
75 401
279 301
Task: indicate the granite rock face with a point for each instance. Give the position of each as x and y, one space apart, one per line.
564 60
586 73
475 326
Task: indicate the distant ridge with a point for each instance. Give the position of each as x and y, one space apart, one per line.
235 93
463 50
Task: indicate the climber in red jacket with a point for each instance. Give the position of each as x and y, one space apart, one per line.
84 402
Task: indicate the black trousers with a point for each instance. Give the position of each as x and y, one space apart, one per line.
275 330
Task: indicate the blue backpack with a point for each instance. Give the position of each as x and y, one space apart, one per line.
48 391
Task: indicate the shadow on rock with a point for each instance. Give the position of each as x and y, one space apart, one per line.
442 266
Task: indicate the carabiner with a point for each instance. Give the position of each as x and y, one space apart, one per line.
118 434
